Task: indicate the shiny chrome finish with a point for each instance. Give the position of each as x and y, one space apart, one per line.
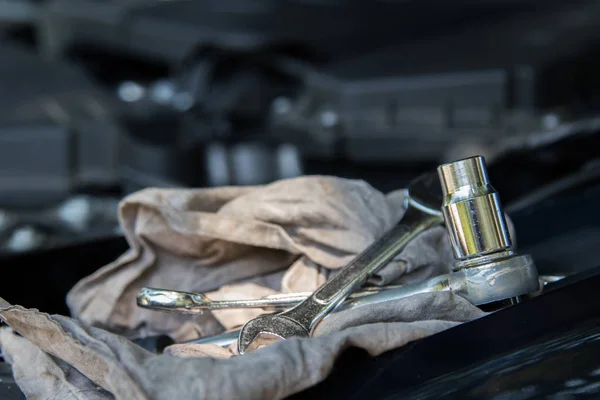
472 211
223 339
300 320
197 303
479 235
487 268
494 282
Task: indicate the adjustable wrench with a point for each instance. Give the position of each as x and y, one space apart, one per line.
424 199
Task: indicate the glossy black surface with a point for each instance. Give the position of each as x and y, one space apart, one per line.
559 366
513 353
41 279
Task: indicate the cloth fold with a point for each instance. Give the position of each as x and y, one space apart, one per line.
59 355
293 234
231 243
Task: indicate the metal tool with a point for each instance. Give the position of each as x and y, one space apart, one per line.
423 211
481 285
479 235
474 219
222 339
197 303
487 268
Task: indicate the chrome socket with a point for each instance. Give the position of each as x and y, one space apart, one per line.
479 234
472 212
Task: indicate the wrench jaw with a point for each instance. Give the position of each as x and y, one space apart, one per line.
170 300
267 329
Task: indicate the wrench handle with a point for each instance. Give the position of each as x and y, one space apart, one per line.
355 274
374 257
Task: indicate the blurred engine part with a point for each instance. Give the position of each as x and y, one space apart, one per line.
18 20
164 163
57 133
228 63
77 219
452 95
329 108
543 164
204 119
174 30
172 140
206 126
17 12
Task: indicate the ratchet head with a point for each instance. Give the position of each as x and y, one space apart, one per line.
486 261
267 329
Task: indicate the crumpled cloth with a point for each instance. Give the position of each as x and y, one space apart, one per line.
245 242
231 242
59 357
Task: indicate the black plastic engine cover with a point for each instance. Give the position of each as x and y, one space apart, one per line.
57 131
424 100
172 30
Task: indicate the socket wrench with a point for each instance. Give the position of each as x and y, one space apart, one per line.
487 268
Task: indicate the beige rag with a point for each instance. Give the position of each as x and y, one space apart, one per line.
59 357
232 242
238 243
